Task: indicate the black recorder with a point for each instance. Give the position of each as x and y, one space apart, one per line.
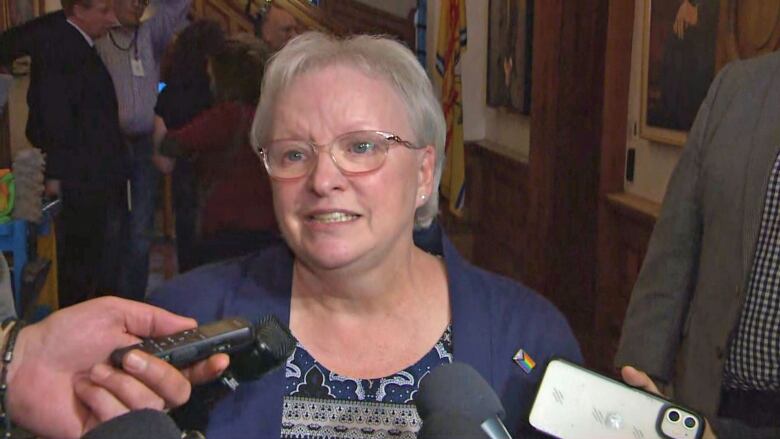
187 347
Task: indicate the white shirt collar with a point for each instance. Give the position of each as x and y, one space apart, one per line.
84 34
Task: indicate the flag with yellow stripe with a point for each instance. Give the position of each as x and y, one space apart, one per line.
451 43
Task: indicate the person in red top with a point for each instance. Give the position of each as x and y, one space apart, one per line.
235 208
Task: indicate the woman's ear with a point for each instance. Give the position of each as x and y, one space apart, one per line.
426 174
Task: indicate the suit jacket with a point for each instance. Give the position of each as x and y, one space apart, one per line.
492 317
73 108
692 286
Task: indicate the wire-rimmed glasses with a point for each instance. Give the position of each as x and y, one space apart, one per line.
353 153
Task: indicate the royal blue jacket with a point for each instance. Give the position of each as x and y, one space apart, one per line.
492 317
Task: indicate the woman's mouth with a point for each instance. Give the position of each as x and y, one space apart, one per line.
333 217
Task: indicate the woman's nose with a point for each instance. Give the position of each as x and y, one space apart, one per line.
326 176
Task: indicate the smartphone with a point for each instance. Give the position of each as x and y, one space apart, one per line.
187 347
573 402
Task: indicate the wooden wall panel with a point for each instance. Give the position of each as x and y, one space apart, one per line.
492 232
503 205
548 223
615 261
566 122
630 220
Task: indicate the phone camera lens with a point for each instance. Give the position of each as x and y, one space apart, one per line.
690 422
673 415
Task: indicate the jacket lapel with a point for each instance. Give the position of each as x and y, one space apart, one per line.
273 298
765 145
471 338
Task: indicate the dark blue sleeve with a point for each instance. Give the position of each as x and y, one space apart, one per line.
522 319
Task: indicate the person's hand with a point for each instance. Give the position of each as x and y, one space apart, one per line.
163 164
61 384
52 188
637 378
687 15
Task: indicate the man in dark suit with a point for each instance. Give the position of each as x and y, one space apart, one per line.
74 120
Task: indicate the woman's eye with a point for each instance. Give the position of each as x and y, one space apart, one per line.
362 147
294 155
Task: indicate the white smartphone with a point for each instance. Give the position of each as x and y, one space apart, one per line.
576 403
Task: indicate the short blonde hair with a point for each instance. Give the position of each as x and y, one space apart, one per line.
376 56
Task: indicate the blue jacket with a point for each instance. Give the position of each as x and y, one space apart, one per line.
492 317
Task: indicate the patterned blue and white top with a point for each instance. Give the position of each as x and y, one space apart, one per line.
322 404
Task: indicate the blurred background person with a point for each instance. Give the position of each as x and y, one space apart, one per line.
235 214
133 52
74 119
273 25
187 93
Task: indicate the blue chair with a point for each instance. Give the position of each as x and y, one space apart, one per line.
14 240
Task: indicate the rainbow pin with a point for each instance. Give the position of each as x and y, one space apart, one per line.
524 360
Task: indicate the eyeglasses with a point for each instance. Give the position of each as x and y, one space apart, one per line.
353 153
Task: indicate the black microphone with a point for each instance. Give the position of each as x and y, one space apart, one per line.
140 424
456 394
446 425
272 345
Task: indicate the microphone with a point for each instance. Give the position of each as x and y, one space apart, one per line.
272 345
140 424
448 425
456 394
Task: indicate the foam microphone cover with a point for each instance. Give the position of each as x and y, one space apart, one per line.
458 389
273 344
138 424
445 425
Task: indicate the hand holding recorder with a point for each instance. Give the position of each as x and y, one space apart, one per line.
60 382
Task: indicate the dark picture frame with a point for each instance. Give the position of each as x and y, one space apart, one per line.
22 11
510 35
683 51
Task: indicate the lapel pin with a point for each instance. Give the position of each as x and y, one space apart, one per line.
524 360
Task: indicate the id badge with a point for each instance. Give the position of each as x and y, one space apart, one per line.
137 66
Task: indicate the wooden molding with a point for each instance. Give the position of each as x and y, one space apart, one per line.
634 206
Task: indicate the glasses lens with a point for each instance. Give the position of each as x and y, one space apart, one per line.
360 151
288 159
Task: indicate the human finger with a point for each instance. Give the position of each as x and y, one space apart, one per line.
145 320
101 403
637 378
159 376
207 370
130 391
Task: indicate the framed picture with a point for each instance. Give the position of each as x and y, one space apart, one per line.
21 11
684 45
15 13
510 30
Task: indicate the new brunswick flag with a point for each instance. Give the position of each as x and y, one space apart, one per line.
451 42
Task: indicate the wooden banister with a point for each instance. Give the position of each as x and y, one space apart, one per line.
341 17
